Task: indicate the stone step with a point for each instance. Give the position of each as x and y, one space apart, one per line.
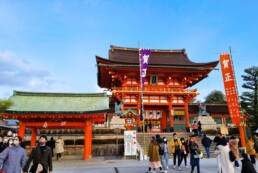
169 136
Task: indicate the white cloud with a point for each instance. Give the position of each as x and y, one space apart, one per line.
17 73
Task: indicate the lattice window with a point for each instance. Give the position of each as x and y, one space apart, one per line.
154 80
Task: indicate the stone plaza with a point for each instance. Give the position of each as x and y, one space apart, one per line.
117 165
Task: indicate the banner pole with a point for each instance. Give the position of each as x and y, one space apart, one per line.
240 126
141 107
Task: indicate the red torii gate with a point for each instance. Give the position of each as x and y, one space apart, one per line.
79 125
65 124
58 111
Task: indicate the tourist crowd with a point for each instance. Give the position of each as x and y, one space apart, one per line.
13 156
229 159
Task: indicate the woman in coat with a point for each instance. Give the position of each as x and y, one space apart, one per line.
153 153
14 158
194 158
184 151
222 152
59 147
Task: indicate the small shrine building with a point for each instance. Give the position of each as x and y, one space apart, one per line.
166 93
36 110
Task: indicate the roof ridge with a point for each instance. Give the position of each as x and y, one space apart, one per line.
153 50
28 93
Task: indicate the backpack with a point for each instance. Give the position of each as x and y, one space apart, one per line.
161 148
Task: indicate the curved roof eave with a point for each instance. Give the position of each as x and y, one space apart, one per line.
212 64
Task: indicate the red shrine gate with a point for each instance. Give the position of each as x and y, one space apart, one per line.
58 111
167 91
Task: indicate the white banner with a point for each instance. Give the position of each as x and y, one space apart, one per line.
130 142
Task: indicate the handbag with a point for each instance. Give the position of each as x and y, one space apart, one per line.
2 166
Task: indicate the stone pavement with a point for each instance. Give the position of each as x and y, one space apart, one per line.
101 165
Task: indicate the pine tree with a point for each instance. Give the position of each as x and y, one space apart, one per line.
249 98
215 97
4 105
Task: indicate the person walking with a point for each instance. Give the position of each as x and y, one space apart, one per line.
150 127
217 138
194 155
153 153
233 146
206 142
14 158
176 146
41 157
184 152
166 156
22 144
51 144
247 166
222 152
4 144
250 150
161 149
195 128
199 129
59 148
256 145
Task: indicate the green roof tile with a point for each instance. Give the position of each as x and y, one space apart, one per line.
58 102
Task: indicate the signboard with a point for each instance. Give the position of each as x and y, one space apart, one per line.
224 130
130 143
230 88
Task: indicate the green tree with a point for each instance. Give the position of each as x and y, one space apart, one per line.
249 98
215 97
4 105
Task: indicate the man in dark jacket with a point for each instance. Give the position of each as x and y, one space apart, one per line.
41 156
206 142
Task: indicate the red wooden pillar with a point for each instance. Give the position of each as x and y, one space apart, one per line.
21 130
33 137
242 135
87 140
163 122
187 124
171 116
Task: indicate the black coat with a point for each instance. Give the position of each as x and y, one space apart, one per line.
206 141
45 159
247 166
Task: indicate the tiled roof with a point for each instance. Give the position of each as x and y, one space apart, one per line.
158 57
59 102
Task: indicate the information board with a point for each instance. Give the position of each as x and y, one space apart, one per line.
130 143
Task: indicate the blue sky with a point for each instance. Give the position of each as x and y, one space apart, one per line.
50 45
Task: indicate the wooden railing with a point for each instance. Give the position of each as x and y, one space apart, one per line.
154 90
